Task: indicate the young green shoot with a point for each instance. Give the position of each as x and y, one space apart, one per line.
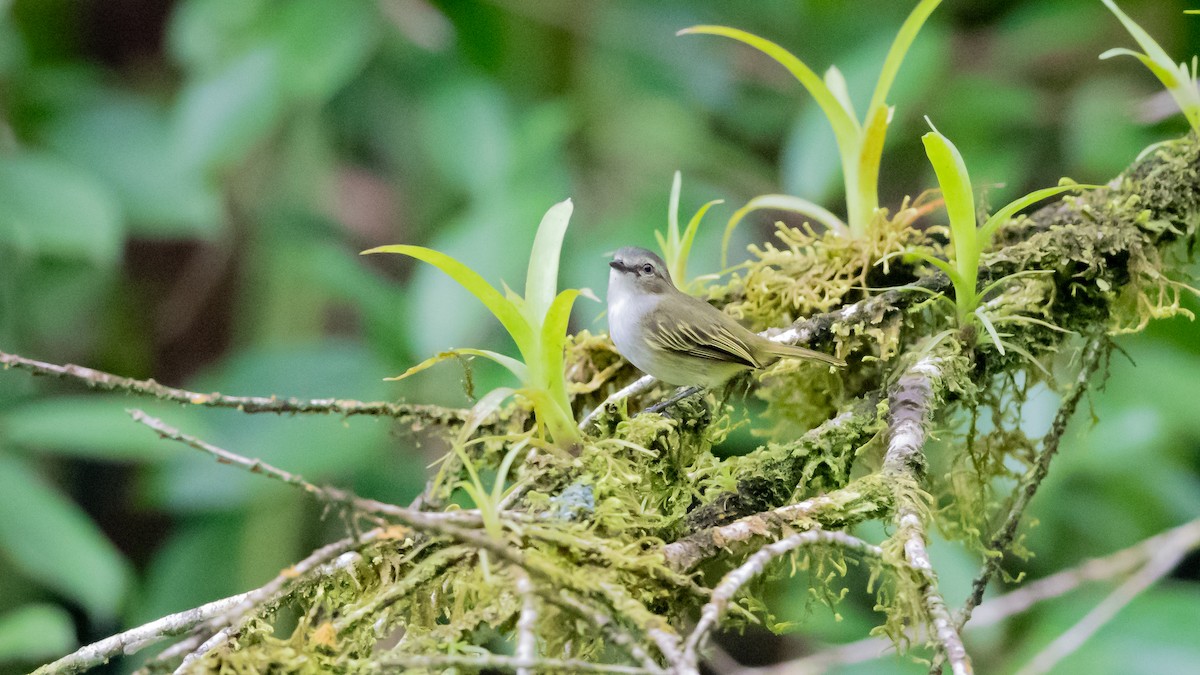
537 323
860 144
1178 79
968 241
676 248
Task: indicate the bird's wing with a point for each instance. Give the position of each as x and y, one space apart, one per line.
715 340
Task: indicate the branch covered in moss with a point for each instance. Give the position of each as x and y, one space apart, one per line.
732 582
912 402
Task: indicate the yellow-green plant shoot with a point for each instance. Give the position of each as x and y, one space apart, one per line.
537 323
860 144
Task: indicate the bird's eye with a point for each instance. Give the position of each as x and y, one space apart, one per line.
647 269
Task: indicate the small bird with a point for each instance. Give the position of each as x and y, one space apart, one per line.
680 339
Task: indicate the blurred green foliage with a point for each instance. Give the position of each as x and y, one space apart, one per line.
184 188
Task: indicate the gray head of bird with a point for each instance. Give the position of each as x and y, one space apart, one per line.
638 270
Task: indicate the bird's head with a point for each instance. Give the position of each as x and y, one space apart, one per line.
638 269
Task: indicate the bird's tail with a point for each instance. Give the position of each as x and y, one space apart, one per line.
793 352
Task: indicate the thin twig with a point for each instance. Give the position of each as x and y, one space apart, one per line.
1092 357
103 381
324 492
911 405
1066 644
324 561
1184 538
732 582
137 639
635 388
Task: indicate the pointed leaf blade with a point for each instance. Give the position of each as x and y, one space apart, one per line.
500 307
541 281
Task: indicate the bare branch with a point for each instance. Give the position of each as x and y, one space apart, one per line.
326 560
95 379
1159 566
1183 539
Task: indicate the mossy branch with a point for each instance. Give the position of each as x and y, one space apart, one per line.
601 549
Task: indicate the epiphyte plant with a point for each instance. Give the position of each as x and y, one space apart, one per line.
860 144
537 323
677 248
1179 80
967 240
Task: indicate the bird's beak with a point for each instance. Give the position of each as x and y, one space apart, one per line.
617 265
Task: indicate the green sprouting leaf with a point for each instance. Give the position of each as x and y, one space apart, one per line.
1148 44
35 632
50 540
1166 75
778 203
685 244
513 365
500 307
845 127
871 154
900 46
837 86
941 265
1175 77
956 191
541 281
672 242
553 342
53 209
1009 210
483 408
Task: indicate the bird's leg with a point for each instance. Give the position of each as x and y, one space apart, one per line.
680 394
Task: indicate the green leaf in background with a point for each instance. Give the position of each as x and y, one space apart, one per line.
35 632
202 551
323 449
204 35
94 427
221 118
466 131
1155 633
318 45
51 208
52 541
123 139
322 43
